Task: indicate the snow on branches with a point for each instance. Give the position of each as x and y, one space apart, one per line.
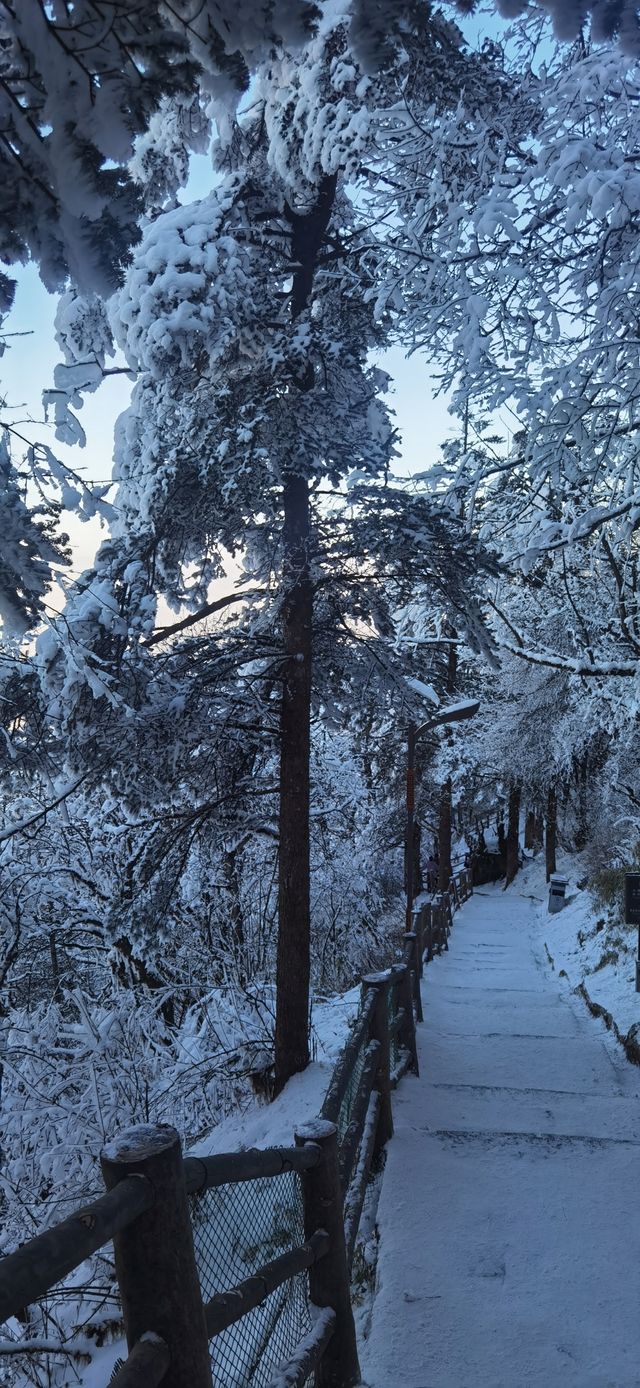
31 551
77 84
217 414
526 291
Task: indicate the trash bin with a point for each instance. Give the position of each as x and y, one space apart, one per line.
557 890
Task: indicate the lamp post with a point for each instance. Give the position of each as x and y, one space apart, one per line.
454 713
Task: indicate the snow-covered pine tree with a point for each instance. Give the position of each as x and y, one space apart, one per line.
248 320
529 304
32 549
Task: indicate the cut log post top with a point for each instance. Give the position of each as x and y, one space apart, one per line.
155 1260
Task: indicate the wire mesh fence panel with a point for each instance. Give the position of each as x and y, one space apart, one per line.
394 1044
236 1230
351 1091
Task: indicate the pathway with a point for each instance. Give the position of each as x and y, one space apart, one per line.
510 1205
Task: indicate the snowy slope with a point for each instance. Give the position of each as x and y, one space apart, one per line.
588 944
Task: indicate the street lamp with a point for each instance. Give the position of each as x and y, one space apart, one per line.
454 713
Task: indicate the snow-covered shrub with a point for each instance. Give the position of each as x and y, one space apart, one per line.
74 1074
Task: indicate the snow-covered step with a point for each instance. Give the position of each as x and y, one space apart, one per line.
509 1214
470 1108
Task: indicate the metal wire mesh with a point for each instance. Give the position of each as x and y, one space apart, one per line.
346 1107
394 1044
236 1230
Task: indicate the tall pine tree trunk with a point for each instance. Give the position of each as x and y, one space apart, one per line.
445 868
294 928
294 917
444 837
512 855
583 803
550 836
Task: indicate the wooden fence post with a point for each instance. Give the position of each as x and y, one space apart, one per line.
444 908
411 957
155 1261
441 924
418 917
380 984
329 1277
407 1034
429 929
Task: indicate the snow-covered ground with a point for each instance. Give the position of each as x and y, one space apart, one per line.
588 943
521 1091
260 1124
509 1236
272 1125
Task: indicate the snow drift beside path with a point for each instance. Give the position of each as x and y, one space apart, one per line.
272 1125
588 945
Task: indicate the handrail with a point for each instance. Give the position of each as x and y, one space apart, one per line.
344 1068
357 1190
351 1139
230 1168
226 1308
391 1005
297 1370
35 1267
397 1022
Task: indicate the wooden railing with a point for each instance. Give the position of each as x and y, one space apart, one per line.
146 1211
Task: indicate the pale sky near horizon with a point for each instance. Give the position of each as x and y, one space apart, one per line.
27 370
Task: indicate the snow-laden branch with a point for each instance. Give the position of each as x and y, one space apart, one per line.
590 670
163 633
32 820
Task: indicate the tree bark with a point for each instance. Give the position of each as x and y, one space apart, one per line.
444 816
513 835
444 837
530 830
234 907
550 836
294 932
130 969
294 925
582 804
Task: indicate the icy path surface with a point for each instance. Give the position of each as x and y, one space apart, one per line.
510 1207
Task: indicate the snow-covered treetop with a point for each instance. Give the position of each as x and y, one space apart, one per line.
609 19
217 414
526 290
79 82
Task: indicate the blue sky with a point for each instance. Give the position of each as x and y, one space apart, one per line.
27 370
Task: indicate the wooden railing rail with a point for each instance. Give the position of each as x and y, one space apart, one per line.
229 1168
298 1370
352 1137
32 1270
226 1308
354 1200
343 1071
145 1210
